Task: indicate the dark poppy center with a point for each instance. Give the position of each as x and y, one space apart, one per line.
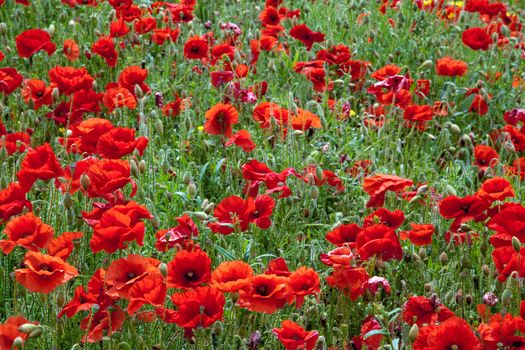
262 290
190 275
39 94
46 268
131 275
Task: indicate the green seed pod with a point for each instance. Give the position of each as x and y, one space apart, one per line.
516 244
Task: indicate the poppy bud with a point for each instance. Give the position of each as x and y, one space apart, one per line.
426 64
201 215
315 193
443 258
138 91
84 182
192 189
163 268
209 208
509 146
455 129
61 299
123 346
428 287
204 203
68 201
159 127
484 246
134 168
3 28
516 244
423 253
155 222
486 270
412 334
186 178
18 343
450 190
142 166
36 333
468 299
415 199
27 328
506 297
3 155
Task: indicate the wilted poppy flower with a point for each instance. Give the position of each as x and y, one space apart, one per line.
450 67
13 200
476 38
378 240
40 163
199 307
196 48
265 293
105 47
179 235
341 256
305 35
43 273
303 281
33 40
124 273
71 50
9 332
231 276
220 118
294 337
119 225
26 231
10 80
119 97
189 269
70 80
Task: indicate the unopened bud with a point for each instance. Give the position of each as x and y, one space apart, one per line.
412 334
85 182
443 258
516 244
27 328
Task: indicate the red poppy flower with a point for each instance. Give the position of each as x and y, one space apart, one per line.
26 231
418 116
145 25
196 48
103 323
63 245
509 222
305 120
107 176
231 214
454 333
387 71
476 38
485 156
189 269
119 97
37 92
124 273
278 266
33 40
10 80
220 118
265 293
305 35
294 337
160 35
450 67
303 281
378 240
105 47
502 331
149 291
421 310
199 307
495 189
84 136
71 50
118 225
132 76
350 280
270 16
12 201
9 331
43 273
40 163
231 276
421 234
462 209
118 28
243 139
344 234
70 80
119 142
376 186
393 219
265 111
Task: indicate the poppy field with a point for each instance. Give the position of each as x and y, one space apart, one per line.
251 174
